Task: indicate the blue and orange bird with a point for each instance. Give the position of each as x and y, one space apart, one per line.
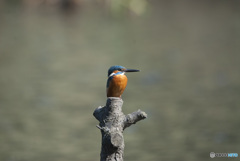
117 80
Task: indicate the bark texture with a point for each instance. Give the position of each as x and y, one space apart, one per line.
112 122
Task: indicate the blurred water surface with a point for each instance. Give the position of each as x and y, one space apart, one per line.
53 67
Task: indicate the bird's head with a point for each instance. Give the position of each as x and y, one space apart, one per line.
121 69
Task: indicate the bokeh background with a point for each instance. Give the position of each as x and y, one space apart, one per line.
54 57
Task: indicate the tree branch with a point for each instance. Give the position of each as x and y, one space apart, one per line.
134 117
112 122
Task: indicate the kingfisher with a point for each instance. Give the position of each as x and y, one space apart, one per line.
117 80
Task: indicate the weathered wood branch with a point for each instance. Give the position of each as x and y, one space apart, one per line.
134 117
112 122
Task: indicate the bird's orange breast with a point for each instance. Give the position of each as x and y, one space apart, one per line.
117 85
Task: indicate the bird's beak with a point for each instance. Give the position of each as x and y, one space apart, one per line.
132 70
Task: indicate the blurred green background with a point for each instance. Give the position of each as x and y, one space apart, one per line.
54 57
